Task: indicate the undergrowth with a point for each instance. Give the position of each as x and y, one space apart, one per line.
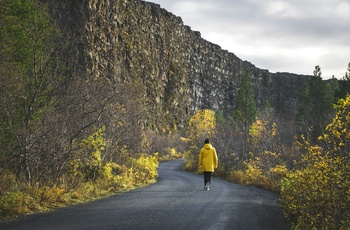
19 198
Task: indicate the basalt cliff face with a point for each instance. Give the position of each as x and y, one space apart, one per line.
133 40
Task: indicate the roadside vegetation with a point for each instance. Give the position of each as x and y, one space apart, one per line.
305 159
67 138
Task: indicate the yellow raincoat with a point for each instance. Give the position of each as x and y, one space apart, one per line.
208 159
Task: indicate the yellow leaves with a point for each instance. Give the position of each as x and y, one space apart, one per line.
88 155
260 128
337 135
107 170
95 140
261 132
144 168
317 190
279 170
257 130
13 203
317 195
94 144
30 199
263 171
49 194
257 127
202 124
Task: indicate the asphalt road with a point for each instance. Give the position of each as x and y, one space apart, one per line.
176 201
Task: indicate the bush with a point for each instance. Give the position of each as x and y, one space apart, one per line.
277 173
47 194
251 175
144 168
264 171
13 203
19 199
317 194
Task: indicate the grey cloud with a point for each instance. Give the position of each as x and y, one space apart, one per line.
309 32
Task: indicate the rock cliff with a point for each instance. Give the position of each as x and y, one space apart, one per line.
133 40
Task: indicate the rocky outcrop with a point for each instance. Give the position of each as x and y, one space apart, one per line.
133 40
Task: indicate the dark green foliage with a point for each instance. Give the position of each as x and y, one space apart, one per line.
315 104
344 84
58 130
29 71
245 111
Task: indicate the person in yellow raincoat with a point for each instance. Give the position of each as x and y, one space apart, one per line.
207 162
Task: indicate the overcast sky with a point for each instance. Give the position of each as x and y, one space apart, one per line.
281 36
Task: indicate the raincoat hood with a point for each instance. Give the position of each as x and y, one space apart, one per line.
208 146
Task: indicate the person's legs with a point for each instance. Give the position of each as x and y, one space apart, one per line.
205 175
207 179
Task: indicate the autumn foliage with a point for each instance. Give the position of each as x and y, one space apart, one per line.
317 194
201 125
67 135
313 179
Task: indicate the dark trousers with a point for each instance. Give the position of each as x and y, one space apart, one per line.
207 177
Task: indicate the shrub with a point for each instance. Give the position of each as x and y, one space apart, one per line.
144 168
191 162
252 174
264 171
13 203
317 194
109 170
49 194
277 173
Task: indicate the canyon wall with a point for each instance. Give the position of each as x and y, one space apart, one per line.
137 41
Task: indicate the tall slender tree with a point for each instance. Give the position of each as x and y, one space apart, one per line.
245 112
315 104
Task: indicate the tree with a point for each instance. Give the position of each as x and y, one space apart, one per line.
30 71
344 84
245 111
201 125
315 104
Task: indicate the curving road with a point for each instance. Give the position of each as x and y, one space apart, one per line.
176 201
